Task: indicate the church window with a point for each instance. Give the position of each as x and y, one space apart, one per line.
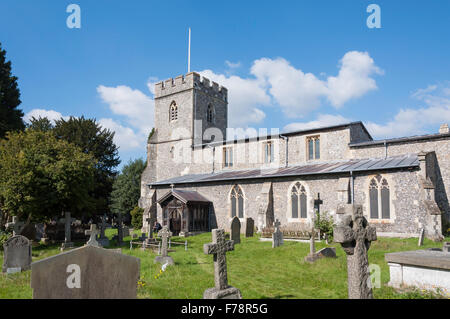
379 198
173 111
210 114
237 202
268 152
313 146
298 201
227 157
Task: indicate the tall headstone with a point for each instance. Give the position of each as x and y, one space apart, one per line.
93 236
421 237
218 248
236 230
119 230
68 233
277 236
17 253
355 235
103 240
165 234
87 272
249 227
312 244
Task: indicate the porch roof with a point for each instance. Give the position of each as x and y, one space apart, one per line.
184 196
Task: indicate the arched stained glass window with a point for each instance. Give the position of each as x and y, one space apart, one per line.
237 202
379 197
298 201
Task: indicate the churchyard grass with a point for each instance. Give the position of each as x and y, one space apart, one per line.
254 267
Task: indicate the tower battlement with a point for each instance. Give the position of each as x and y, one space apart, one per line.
190 81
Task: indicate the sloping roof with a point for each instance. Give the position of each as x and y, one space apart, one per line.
332 167
290 133
403 139
184 196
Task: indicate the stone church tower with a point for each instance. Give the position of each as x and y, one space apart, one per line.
190 110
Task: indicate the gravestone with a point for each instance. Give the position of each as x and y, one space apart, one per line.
68 233
236 230
249 227
312 257
165 234
87 272
218 248
16 254
421 237
150 221
328 252
125 231
355 235
93 236
119 236
16 225
29 231
446 247
103 240
277 236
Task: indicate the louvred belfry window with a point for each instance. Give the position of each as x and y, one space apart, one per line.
173 111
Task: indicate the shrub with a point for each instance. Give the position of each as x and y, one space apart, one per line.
136 217
325 223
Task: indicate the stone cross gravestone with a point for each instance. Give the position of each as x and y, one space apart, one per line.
103 240
68 237
355 235
312 245
277 236
17 253
87 272
16 225
93 236
218 248
236 230
165 234
249 227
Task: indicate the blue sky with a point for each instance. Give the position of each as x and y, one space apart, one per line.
287 64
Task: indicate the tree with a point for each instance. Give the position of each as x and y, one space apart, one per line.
10 116
136 217
97 141
42 124
43 176
127 187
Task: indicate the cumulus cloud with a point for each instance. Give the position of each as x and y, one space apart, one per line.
245 97
321 121
410 121
50 114
135 108
277 82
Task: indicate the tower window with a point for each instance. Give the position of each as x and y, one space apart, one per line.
173 111
313 147
210 114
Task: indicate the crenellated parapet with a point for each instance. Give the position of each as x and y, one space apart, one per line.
189 81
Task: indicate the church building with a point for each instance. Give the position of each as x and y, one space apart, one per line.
197 180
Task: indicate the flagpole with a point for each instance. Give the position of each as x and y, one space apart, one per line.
189 52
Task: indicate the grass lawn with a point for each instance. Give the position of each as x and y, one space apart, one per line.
254 267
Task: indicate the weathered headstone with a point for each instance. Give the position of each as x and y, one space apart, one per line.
328 252
17 253
355 235
421 237
165 234
277 235
93 236
68 233
218 248
87 272
249 227
125 231
312 257
119 237
236 230
103 240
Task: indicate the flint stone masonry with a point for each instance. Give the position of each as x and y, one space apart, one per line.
88 272
17 253
267 199
424 269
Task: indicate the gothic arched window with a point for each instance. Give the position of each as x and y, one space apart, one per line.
379 197
173 111
210 114
237 202
298 201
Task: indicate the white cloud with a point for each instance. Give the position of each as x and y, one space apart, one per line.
244 97
409 121
321 121
233 65
124 137
50 114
